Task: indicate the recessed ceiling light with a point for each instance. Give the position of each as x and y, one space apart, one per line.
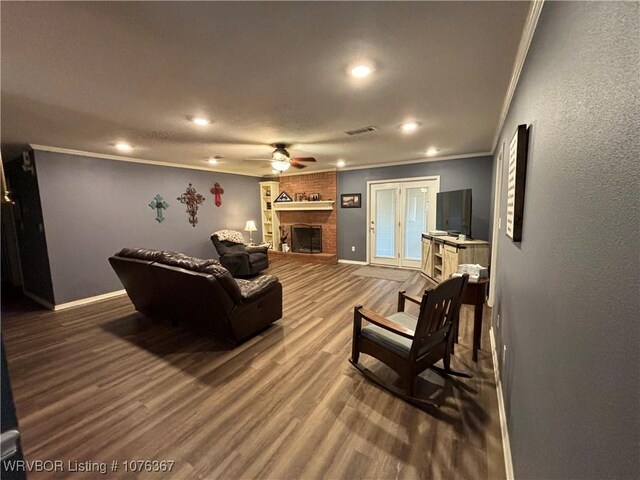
361 71
409 127
213 160
432 151
123 147
201 121
341 163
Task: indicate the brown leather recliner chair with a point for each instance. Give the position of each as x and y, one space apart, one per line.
240 259
196 293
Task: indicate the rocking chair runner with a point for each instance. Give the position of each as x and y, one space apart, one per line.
407 344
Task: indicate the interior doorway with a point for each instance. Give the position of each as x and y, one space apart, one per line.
497 226
399 211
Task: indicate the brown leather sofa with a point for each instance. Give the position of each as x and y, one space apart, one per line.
198 294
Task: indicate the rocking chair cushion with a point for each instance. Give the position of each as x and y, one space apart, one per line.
392 341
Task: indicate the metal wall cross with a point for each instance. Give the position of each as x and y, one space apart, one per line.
158 204
192 200
217 192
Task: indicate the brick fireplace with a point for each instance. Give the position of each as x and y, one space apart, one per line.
325 184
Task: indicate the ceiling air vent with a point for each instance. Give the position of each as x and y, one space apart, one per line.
360 131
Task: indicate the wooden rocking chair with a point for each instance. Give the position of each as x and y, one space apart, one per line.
407 344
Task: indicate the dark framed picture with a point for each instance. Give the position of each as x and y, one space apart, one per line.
518 157
351 200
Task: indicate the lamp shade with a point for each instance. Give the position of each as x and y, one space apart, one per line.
250 226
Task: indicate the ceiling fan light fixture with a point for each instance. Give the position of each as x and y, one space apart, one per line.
280 165
279 156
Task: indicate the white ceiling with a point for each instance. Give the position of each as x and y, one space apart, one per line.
84 75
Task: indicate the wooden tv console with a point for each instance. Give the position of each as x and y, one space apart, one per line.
441 255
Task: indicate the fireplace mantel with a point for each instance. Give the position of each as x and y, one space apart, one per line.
303 206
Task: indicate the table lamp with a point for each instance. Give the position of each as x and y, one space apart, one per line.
250 227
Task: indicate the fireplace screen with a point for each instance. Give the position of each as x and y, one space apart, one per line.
306 239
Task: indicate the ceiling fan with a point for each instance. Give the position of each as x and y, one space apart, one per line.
281 160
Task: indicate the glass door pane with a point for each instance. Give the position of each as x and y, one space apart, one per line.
415 221
385 223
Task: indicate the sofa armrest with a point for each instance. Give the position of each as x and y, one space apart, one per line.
257 249
252 289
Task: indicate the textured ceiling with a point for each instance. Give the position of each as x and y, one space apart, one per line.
85 75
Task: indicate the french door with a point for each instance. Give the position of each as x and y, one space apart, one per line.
398 215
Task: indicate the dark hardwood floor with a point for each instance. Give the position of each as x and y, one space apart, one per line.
102 383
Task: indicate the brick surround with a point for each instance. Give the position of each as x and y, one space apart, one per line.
325 184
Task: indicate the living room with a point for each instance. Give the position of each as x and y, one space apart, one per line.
211 210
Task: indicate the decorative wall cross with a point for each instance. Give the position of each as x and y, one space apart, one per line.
158 204
192 200
217 192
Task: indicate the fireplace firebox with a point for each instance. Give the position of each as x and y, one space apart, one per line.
306 238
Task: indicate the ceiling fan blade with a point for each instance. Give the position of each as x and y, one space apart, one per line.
259 159
303 159
297 165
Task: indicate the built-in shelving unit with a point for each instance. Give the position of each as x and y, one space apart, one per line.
269 191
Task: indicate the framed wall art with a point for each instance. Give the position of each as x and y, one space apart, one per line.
516 178
351 200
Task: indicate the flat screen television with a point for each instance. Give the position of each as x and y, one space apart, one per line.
453 212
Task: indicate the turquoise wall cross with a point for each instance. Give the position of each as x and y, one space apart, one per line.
158 204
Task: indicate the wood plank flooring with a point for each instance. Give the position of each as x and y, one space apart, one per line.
102 382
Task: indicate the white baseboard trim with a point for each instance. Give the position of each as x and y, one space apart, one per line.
85 301
352 262
506 445
37 299
75 303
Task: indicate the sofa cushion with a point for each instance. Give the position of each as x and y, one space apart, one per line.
251 289
140 254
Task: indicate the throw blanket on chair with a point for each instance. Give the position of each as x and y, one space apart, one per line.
229 236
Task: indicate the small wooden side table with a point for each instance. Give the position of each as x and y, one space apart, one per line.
476 295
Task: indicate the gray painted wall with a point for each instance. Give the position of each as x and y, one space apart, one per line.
474 173
568 293
94 207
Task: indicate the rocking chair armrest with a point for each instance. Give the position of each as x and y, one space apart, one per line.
373 317
415 300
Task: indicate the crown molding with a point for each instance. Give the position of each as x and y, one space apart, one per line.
523 48
290 173
417 160
390 164
68 151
